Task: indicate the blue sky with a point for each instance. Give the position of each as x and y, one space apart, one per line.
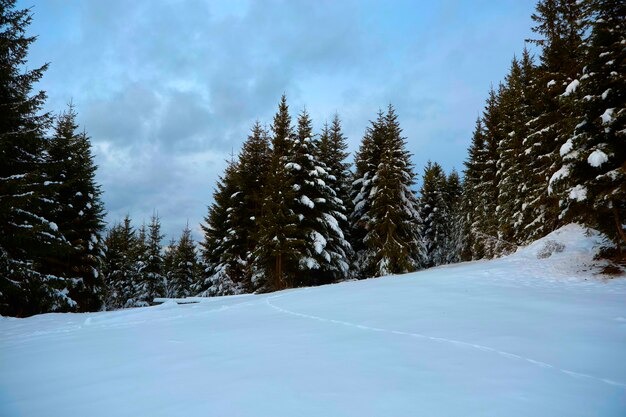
167 89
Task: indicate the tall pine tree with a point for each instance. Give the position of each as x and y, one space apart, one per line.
385 204
79 214
27 236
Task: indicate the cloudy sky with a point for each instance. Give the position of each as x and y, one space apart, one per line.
167 89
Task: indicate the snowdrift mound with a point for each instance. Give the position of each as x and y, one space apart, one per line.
570 250
571 241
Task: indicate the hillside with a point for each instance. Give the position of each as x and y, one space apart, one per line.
536 333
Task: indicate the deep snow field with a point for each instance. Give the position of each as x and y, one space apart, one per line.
517 336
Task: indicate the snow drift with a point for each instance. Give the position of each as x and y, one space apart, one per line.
535 333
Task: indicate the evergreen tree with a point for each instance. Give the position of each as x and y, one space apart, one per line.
489 175
323 250
454 218
385 205
120 265
79 214
169 255
233 222
482 181
516 104
185 268
276 254
223 246
434 215
473 207
332 153
27 236
151 280
592 179
561 26
251 177
367 161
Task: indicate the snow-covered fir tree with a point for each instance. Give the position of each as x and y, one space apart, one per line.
385 214
560 25
473 208
332 153
323 249
232 230
169 254
517 106
591 181
454 215
434 214
217 279
185 270
276 254
27 236
120 264
79 213
150 273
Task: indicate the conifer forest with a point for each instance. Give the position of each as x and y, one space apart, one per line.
294 209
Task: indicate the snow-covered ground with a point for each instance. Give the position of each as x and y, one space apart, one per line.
534 334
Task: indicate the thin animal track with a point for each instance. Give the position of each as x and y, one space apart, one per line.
444 340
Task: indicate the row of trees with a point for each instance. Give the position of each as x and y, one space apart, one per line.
51 216
137 268
550 147
289 212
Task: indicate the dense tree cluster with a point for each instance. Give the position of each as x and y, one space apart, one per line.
288 211
138 268
51 216
550 147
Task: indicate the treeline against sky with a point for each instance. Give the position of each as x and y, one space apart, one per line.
291 211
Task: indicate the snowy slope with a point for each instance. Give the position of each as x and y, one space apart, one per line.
518 336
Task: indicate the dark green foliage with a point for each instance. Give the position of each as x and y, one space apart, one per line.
185 270
276 255
79 214
27 236
232 229
323 250
472 195
560 25
152 279
516 103
591 182
385 213
434 213
120 265
454 219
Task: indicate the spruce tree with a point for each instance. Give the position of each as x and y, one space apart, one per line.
276 254
454 219
385 205
185 268
367 161
511 163
150 277
434 214
560 25
224 247
323 250
27 236
489 174
473 207
120 265
332 153
169 254
591 181
79 214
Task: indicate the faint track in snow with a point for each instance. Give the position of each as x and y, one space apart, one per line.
444 340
